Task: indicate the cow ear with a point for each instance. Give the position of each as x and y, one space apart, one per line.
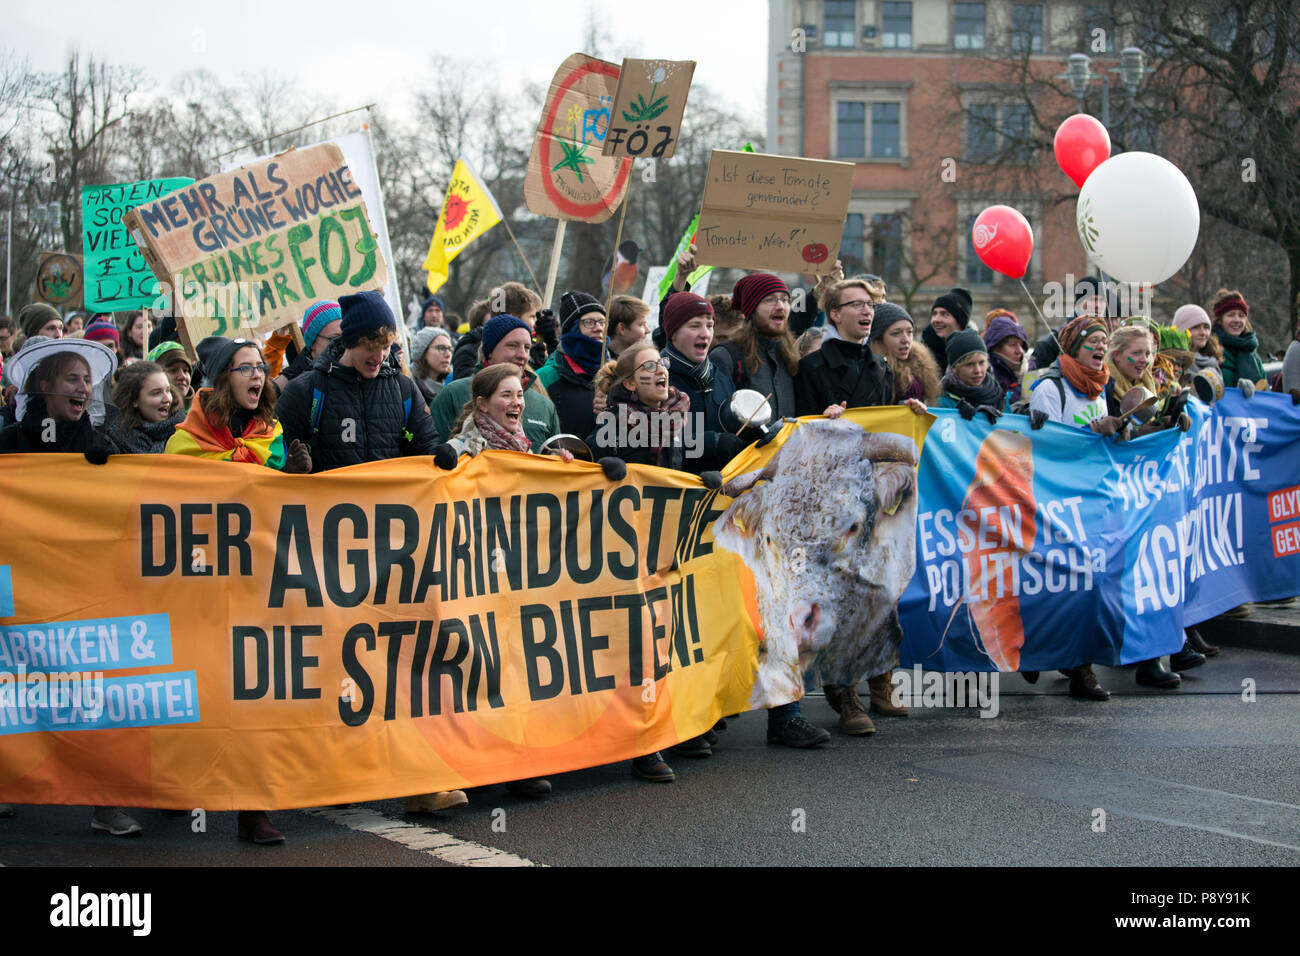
736 528
894 482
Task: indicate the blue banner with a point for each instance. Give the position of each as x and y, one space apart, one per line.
1054 548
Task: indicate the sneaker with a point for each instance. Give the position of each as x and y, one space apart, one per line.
1153 673
654 768
256 826
114 820
695 747
1186 659
436 802
535 787
1083 684
882 696
845 701
797 732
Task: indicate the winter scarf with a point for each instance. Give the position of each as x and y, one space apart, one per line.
28 433
671 414
988 392
581 350
497 437
148 438
1241 348
256 444
701 374
1084 379
1121 382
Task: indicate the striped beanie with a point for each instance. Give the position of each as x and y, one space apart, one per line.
753 289
316 318
102 330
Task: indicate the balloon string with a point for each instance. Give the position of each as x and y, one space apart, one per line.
1049 328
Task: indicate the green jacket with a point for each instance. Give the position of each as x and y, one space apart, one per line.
540 418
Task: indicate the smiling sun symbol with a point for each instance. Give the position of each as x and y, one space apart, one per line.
454 211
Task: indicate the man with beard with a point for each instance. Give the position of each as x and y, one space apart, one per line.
762 354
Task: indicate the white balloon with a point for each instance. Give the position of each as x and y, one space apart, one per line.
1138 217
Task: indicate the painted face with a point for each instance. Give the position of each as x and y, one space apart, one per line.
1011 349
1092 353
972 370
632 333
771 314
649 379
513 349
943 322
1134 358
433 315
506 406
67 399
1200 335
1234 322
325 336
438 355
52 328
179 373
694 338
247 378
139 330
154 403
592 325
898 340
852 317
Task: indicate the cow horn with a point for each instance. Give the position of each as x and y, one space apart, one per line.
887 446
746 481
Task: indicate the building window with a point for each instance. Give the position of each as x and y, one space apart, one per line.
981 132
851 243
968 26
851 129
896 26
1015 132
977 273
841 23
885 137
1027 27
998 133
1094 19
887 246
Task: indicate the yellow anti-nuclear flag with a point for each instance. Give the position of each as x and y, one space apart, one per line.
468 211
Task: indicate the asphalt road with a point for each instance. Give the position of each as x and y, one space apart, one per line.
1196 777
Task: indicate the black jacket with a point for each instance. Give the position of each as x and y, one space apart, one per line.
840 371
572 394
465 358
360 419
720 444
938 348
770 378
28 435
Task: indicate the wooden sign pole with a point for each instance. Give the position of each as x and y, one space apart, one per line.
555 263
609 296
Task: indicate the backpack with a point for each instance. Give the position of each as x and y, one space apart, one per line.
318 407
1052 374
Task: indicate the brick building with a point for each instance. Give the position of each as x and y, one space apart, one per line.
907 92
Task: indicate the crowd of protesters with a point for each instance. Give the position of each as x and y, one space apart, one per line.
513 376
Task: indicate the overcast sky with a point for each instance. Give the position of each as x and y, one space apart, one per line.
355 53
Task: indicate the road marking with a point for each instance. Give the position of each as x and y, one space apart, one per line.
437 844
1269 822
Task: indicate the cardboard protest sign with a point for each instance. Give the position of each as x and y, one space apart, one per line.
251 249
568 177
783 213
647 116
116 276
58 279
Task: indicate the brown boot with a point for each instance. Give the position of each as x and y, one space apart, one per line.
854 719
882 696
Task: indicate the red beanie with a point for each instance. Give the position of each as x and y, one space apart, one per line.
753 289
1230 303
679 308
102 330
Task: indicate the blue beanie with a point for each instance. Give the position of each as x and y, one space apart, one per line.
364 313
432 300
496 329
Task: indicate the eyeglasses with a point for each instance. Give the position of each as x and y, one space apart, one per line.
248 370
592 323
777 297
653 365
860 304
441 348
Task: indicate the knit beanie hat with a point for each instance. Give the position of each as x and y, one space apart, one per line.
422 339
1002 324
887 313
753 289
216 353
364 313
679 308
574 305
1077 329
1230 303
962 343
1190 316
431 300
316 318
102 330
169 353
958 302
31 318
497 328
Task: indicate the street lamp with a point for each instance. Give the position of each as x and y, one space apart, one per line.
1079 75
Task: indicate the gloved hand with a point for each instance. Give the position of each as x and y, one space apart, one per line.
771 431
729 445
1184 421
1247 388
965 409
1037 418
712 479
614 468
991 413
544 327
97 454
1107 425
445 457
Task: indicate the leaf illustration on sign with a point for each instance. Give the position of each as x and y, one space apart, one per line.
643 111
1088 232
574 158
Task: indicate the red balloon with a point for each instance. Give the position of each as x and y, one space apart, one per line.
1003 240
1081 145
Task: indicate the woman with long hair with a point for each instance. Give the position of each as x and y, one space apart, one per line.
149 409
1232 329
914 370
